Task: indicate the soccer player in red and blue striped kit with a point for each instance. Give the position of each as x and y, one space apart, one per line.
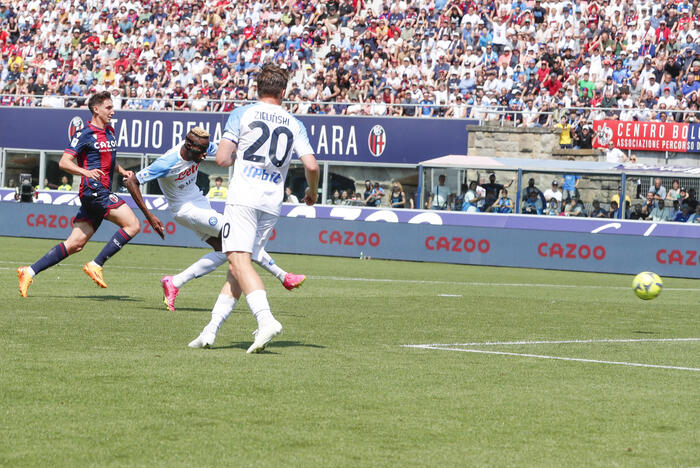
95 148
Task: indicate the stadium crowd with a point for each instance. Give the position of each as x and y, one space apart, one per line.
530 62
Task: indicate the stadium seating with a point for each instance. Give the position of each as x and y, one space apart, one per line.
530 63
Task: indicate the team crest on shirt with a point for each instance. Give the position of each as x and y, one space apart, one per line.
213 221
113 198
74 128
377 140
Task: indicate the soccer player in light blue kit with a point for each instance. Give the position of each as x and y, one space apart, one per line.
260 138
176 172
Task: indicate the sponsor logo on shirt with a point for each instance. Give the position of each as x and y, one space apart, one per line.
261 174
213 220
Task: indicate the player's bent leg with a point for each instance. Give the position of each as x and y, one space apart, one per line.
289 280
82 231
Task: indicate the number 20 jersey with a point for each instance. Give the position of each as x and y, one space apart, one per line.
266 135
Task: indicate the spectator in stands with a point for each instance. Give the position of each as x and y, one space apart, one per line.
582 138
616 198
553 192
335 198
367 198
65 185
218 191
565 140
532 188
472 198
570 186
614 155
441 196
691 199
377 194
503 204
597 211
289 197
657 191
684 215
613 212
574 207
648 206
532 205
493 190
398 197
695 217
674 193
660 213
552 208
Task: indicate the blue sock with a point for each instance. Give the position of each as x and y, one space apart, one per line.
115 244
52 257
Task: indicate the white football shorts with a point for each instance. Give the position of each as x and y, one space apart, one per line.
246 229
201 218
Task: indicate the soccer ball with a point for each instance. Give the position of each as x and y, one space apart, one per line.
647 285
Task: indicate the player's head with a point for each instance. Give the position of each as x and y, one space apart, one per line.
196 144
272 82
101 107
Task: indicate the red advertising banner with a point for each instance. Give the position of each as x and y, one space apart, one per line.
643 136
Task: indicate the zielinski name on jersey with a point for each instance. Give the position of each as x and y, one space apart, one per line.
274 118
258 173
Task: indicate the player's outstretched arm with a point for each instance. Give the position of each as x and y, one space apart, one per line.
311 171
225 154
132 185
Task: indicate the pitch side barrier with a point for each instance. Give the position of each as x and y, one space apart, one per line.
558 243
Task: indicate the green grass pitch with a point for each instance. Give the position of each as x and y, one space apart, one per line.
104 377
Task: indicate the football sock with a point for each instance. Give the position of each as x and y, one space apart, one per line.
52 257
265 261
201 267
257 301
221 311
115 244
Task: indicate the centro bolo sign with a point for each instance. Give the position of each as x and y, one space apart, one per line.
334 138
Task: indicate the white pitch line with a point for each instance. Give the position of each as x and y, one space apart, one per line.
560 358
161 270
606 340
449 295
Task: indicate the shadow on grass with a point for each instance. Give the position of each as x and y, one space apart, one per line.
642 332
110 297
273 344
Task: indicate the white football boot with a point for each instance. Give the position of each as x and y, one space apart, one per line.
263 335
204 340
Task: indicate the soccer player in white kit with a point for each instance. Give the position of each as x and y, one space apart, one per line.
176 172
260 138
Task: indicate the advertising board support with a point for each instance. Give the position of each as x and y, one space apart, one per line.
518 190
419 189
623 186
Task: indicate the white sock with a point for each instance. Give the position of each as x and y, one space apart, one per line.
221 311
201 267
257 301
265 261
31 272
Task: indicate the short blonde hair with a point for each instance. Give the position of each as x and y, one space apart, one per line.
200 132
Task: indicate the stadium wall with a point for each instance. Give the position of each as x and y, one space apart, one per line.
557 243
